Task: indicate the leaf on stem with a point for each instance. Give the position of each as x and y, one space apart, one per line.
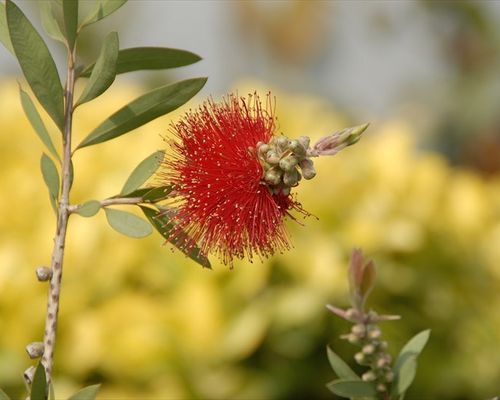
3 395
182 241
39 386
141 58
103 74
340 367
102 9
36 63
37 123
142 172
144 109
4 30
87 393
70 14
352 388
150 194
51 178
88 209
127 223
49 21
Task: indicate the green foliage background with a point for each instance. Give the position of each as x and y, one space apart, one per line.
147 322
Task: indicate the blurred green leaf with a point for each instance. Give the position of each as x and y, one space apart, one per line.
50 175
182 241
4 30
140 58
352 388
87 393
406 363
103 74
49 21
70 13
52 395
102 9
127 223
39 385
143 171
37 123
89 208
145 108
340 366
3 395
36 62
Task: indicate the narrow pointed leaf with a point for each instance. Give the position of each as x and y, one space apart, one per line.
102 9
340 367
4 30
70 13
148 58
352 388
89 208
50 175
103 74
87 393
49 21
39 386
406 374
36 62
127 223
417 343
183 242
37 123
3 395
143 172
144 109
149 194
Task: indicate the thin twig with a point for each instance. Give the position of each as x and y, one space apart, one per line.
113 201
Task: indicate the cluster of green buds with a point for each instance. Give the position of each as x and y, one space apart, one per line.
285 162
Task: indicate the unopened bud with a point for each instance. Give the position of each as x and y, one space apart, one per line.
288 163
307 168
381 388
291 178
369 376
43 274
351 314
304 141
368 349
297 148
353 339
263 148
374 332
360 358
381 362
29 374
389 376
358 330
273 176
272 157
282 142
35 349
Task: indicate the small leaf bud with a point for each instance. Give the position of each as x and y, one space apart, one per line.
369 376
368 349
43 274
351 314
358 330
35 349
374 332
360 358
29 374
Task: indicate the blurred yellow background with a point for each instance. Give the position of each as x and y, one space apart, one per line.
420 193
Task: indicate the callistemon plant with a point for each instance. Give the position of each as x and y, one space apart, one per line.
381 379
232 177
225 185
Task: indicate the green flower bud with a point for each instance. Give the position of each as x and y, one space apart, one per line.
291 178
304 141
272 157
282 142
368 349
288 163
273 176
369 376
263 148
307 168
297 148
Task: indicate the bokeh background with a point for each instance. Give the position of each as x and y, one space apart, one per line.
420 193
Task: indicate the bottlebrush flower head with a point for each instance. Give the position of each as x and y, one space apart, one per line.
232 177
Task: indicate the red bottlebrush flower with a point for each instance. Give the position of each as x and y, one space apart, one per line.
222 200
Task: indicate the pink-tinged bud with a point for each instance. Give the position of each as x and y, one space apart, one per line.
332 144
361 278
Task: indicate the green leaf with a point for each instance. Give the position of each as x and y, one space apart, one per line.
70 13
52 395
50 175
4 30
89 208
144 109
102 9
140 58
352 388
143 171
49 21
3 395
37 123
340 366
39 386
406 363
36 62
149 194
127 223
182 241
87 393
103 74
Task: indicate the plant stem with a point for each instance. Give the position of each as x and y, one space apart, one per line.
54 291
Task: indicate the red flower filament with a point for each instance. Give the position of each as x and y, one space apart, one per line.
221 200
